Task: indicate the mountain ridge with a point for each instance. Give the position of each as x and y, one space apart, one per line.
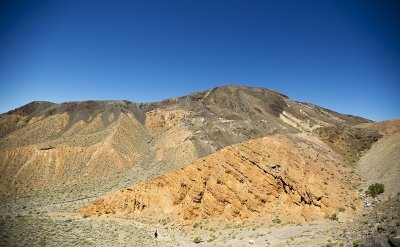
164 135
194 95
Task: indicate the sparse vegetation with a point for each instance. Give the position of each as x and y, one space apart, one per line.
332 217
44 230
277 221
85 215
212 238
384 217
197 240
375 189
356 242
197 224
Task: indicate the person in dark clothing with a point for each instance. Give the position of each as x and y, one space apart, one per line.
156 234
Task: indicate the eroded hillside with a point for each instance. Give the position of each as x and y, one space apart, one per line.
287 177
45 145
233 165
59 149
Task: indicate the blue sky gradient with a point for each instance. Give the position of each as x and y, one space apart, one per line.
342 55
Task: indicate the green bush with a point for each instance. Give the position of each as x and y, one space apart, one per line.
375 189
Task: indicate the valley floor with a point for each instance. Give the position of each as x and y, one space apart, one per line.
42 221
49 218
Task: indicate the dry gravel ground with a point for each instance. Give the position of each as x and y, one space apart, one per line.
45 230
69 230
44 220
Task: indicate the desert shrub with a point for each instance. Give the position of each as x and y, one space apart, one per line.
375 189
213 237
332 217
277 220
197 224
197 240
85 215
356 242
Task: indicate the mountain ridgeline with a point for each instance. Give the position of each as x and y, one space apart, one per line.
44 144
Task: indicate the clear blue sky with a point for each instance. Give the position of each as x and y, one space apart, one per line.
343 55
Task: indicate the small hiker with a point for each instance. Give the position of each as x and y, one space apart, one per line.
156 234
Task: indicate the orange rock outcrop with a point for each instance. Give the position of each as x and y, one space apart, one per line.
288 177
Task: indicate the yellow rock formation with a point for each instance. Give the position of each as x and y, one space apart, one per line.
277 176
